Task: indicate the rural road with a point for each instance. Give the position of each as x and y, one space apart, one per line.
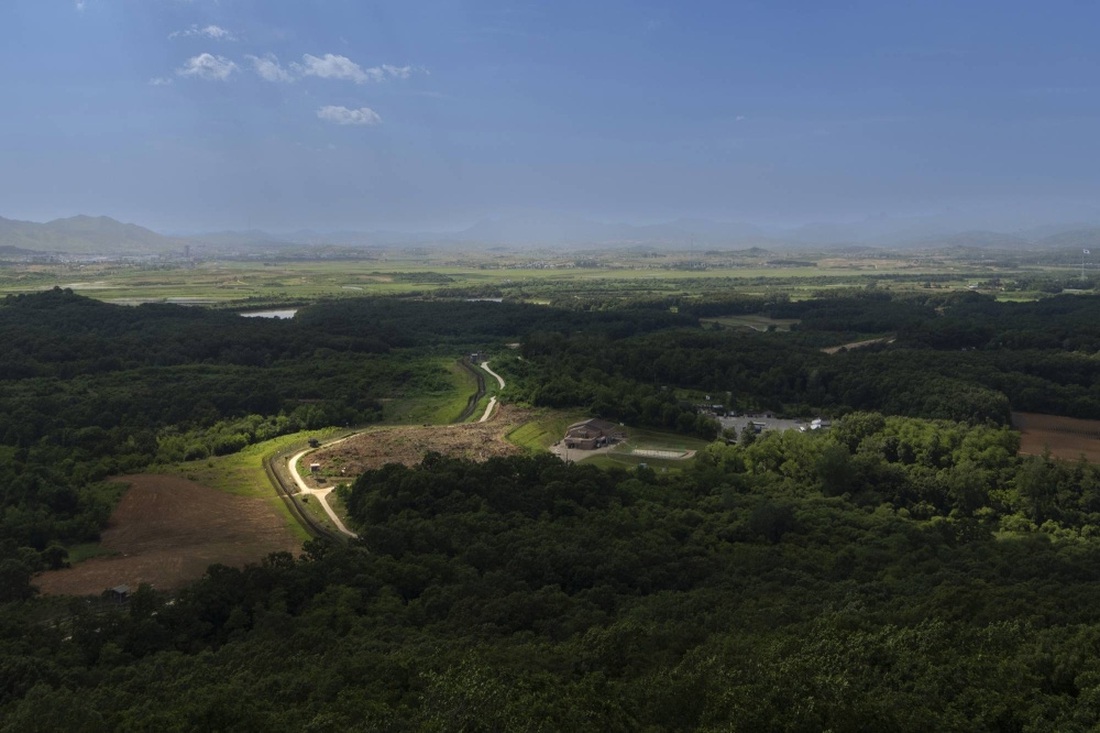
485 365
322 494
492 400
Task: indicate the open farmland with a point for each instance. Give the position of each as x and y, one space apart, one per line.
167 530
1066 437
539 277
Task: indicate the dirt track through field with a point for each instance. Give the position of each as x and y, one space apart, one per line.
167 530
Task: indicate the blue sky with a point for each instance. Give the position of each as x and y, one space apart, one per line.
190 115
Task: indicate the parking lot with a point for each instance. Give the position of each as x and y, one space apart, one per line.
768 423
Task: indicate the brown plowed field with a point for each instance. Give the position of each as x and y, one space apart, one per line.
167 530
408 444
1067 437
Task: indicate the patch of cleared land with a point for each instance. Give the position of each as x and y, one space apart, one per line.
754 322
167 530
376 447
1067 437
859 344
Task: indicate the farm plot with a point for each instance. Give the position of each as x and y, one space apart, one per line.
1066 437
167 530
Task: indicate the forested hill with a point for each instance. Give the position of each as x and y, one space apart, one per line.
960 357
895 574
89 389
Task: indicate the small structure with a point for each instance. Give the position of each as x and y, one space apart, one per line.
592 434
119 594
315 468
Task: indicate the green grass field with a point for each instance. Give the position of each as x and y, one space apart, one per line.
243 473
435 409
257 284
643 438
545 429
312 505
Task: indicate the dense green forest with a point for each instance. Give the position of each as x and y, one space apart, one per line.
896 574
905 570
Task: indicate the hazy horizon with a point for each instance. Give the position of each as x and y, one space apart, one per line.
276 115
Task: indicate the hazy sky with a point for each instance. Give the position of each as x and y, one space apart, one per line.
206 114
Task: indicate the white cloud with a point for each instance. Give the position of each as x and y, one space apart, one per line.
208 66
397 72
329 66
160 81
80 5
269 68
214 32
332 66
345 116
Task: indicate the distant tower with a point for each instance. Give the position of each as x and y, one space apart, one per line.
187 251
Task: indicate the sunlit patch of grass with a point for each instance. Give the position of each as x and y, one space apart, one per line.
547 428
243 473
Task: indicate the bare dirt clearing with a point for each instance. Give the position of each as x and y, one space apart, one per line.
1067 437
858 344
408 445
167 530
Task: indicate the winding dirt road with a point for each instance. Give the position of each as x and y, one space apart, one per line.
322 494
492 400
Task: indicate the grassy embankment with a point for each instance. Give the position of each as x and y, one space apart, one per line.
545 429
438 408
243 473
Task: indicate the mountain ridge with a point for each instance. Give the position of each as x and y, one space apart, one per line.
102 235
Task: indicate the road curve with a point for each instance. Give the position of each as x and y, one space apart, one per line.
485 365
492 400
321 494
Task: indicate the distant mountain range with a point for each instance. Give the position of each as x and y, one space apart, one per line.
85 235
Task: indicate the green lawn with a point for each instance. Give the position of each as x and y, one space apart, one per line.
545 429
658 440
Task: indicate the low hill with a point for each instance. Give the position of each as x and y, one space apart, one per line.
86 235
